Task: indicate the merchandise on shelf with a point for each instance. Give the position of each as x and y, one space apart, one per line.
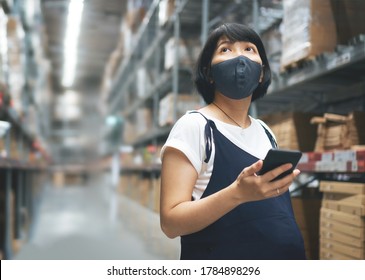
143 120
129 132
273 45
131 21
342 222
3 45
338 131
166 9
16 62
126 37
182 104
188 51
292 130
308 29
352 160
134 16
143 82
144 190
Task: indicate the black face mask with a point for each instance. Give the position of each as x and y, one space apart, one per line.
236 78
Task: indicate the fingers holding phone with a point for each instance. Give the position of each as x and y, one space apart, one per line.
279 169
280 186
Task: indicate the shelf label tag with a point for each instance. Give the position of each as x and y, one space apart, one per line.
339 60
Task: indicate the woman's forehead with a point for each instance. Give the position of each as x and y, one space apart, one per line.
225 39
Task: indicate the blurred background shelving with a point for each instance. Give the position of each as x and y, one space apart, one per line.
90 89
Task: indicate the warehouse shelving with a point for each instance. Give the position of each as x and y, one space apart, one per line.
326 76
308 87
23 160
303 88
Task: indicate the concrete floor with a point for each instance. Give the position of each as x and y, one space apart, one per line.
93 222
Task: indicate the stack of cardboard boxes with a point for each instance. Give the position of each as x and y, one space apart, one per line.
306 210
338 131
342 222
292 130
145 190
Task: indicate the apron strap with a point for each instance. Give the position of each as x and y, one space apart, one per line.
271 138
208 137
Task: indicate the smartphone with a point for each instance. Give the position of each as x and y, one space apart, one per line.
277 157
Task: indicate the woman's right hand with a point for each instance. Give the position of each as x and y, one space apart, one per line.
252 187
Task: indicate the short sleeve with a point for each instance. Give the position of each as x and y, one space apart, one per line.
187 135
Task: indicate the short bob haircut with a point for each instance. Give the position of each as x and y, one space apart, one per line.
236 33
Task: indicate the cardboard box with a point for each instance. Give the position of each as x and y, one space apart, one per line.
328 254
344 207
342 187
339 132
349 17
334 196
345 218
342 238
58 179
308 30
351 230
355 199
353 252
306 211
292 130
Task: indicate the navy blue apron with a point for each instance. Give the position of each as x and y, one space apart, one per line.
260 230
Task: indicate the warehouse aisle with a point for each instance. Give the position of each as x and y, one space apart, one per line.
92 221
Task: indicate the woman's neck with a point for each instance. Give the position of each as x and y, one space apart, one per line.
232 111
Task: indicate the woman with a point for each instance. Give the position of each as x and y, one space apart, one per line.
211 194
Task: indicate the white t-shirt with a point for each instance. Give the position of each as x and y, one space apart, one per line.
188 136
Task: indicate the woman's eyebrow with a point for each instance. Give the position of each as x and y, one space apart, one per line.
223 42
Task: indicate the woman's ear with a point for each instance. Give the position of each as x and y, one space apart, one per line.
207 73
262 74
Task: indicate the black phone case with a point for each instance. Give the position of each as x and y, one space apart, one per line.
277 157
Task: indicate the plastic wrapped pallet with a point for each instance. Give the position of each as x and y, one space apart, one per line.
308 29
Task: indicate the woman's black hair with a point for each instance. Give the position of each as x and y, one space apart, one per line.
235 33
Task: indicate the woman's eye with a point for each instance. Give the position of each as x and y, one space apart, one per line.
224 49
249 49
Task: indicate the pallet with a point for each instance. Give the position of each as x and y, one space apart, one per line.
301 63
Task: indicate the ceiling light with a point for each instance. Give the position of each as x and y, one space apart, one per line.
74 16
